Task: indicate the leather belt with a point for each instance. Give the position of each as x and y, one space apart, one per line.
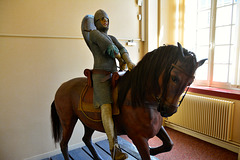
100 71
108 75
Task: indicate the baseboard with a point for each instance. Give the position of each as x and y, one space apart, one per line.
58 151
239 154
227 145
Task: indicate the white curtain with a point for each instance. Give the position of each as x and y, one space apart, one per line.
237 73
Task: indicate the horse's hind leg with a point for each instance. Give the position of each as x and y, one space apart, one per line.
68 127
167 143
87 139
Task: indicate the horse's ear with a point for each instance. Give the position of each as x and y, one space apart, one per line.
180 50
199 63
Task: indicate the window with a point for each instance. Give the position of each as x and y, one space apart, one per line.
211 30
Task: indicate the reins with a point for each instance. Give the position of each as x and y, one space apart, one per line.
180 102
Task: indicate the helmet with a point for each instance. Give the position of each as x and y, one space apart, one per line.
97 16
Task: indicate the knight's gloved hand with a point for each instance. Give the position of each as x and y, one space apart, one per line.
113 51
127 59
122 64
130 66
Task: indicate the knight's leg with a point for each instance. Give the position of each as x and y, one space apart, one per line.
167 143
88 141
106 114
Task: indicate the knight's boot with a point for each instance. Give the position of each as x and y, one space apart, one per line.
117 153
106 114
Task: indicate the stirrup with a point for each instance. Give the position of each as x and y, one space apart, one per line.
117 154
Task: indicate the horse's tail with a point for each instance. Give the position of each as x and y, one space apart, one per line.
56 125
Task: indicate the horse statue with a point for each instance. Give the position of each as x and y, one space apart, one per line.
144 96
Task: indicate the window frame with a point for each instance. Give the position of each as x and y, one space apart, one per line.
211 46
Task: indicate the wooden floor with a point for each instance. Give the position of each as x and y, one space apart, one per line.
103 149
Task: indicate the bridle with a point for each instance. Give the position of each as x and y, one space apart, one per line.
160 99
188 75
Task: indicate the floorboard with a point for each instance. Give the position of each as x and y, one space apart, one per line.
57 157
102 148
131 149
79 154
104 155
104 145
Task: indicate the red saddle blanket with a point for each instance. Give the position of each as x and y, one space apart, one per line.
86 97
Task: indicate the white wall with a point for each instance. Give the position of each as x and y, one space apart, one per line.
40 48
152 28
168 22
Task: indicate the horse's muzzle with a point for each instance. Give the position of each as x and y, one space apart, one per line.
167 110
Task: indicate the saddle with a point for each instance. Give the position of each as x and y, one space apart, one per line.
86 96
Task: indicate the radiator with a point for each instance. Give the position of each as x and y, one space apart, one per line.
210 116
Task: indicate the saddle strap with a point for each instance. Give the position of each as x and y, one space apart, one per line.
80 105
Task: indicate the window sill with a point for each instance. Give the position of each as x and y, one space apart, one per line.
218 92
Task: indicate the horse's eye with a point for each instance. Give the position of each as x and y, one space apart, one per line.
175 79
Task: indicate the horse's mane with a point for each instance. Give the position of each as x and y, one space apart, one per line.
143 79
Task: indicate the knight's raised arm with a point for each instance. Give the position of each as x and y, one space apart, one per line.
103 43
124 53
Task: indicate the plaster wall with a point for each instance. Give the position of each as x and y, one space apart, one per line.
41 46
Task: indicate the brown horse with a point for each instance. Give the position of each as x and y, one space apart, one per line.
145 95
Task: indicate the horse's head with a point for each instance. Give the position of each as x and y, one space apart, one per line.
175 80
161 76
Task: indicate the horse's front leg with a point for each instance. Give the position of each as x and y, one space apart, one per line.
167 143
142 146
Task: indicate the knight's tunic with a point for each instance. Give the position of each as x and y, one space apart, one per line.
101 46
